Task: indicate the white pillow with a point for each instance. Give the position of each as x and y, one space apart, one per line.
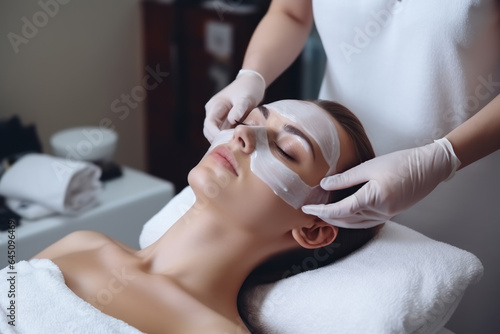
399 282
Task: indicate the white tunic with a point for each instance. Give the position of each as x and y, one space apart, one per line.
412 71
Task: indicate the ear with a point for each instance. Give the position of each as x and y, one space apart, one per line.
315 235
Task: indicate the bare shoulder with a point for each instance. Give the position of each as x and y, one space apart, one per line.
74 242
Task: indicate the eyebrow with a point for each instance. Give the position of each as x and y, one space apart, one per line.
264 111
290 129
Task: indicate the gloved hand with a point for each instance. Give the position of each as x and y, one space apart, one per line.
243 94
396 181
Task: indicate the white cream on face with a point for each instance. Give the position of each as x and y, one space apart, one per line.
282 180
316 124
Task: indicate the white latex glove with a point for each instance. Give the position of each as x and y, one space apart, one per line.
244 93
396 181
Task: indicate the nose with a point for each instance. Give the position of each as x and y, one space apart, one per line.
245 138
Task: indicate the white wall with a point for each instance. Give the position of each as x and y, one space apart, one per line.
84 55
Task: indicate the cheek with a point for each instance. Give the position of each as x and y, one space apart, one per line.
313 171
260 207
312 174
250 198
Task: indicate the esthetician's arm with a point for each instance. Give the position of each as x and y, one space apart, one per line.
275 44
479 136
398 180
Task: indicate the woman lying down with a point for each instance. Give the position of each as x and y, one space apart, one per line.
246 227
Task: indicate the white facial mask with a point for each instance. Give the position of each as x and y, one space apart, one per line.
282 180
316 123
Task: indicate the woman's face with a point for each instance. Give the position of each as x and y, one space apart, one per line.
224 178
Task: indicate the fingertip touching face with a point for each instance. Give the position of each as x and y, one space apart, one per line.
292 145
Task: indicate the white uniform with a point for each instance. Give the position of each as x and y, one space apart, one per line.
412 71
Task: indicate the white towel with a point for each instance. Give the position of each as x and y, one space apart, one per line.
44 304
60 185
399 282
28 209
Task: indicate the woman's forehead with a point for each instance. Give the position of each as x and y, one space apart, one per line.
294 106
302 114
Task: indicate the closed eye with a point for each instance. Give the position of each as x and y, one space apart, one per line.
277 147
283 153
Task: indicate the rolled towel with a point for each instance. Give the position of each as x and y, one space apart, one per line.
62 185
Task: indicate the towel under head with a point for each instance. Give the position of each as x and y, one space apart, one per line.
399 282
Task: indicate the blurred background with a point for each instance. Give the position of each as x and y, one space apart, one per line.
145 69
74 63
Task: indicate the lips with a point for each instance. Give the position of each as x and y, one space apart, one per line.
226 158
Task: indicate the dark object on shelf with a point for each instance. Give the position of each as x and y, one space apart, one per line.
17 139
110 170
202 47
7 215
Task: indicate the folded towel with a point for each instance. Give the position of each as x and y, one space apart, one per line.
399 282
61 185
44 304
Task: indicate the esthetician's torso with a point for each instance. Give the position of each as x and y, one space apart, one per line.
412 71
108 275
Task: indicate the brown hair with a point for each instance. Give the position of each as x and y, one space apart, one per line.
347 241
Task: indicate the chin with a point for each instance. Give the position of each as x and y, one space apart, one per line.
209 183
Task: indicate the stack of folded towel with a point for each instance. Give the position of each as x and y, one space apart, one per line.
38 185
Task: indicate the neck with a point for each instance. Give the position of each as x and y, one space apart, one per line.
210 257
